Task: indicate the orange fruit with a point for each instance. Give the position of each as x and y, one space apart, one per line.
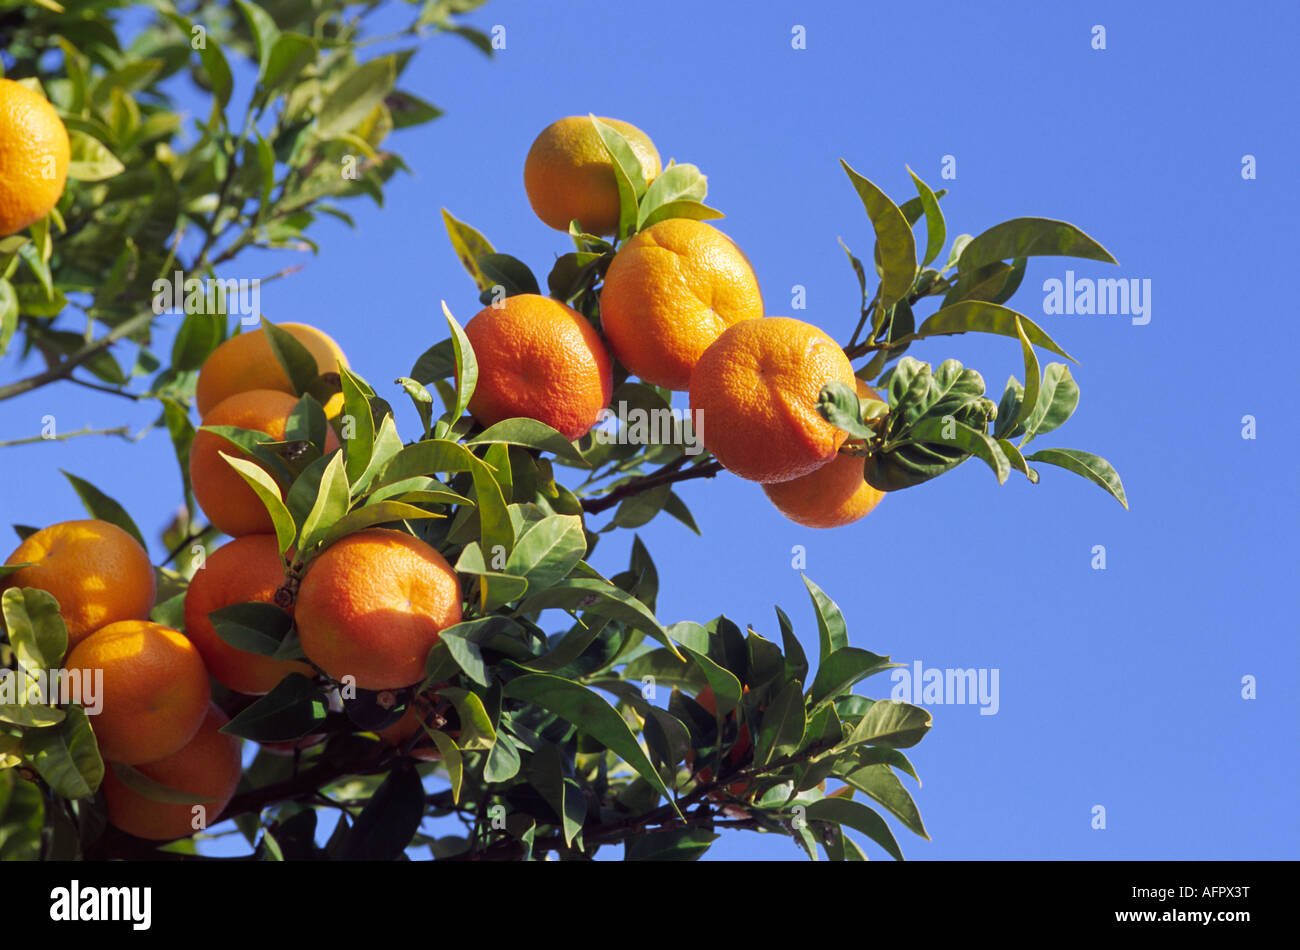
373 605
247 362
402 731
834 495
245 569
754 398
97 572
670 292
568 174
539 359
230 504
736 755
155 689
34 156
207 766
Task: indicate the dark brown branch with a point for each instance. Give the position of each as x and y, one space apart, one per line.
670 474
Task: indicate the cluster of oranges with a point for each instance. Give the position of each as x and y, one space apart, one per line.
680 308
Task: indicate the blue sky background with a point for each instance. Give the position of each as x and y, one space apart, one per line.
1119 688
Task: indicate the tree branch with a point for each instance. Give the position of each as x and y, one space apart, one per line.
669 474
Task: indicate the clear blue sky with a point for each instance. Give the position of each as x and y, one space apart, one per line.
1120 688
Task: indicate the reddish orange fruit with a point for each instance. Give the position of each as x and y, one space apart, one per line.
207 766
539 359
155 689
373 605
754 397
245 569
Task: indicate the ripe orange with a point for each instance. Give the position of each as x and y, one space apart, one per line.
835 494
669 293
739 752
224 496
247 362
97 572
208 766
245 569
155 689
568 174
539 359
754 397
372 606
34 156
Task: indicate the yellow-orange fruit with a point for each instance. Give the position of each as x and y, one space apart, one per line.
34 156
247 362
97 572
230 504
539 359
155 689
245 569
669 293
754 398
208 766
834 495
373 605
568 174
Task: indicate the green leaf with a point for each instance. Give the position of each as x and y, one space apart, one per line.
913 209
356 96
509 273
936 231
855 815
880 782
894 240
838 671
673 844
408 110
591 714
219 78
982 317
331 504
726 687
628 174
890 723
452 760
466 366
91 159
931 431
796 663
153 790
66 755
832 631
35 629
602 598
263 29
469 246
531 434
1057 400
1031 237
1092 467
290 54
782 728
253 626
296 360
103 507
838 404
476 732
293 709
547 550
269 493
546 772
358 424
695 210
389 821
